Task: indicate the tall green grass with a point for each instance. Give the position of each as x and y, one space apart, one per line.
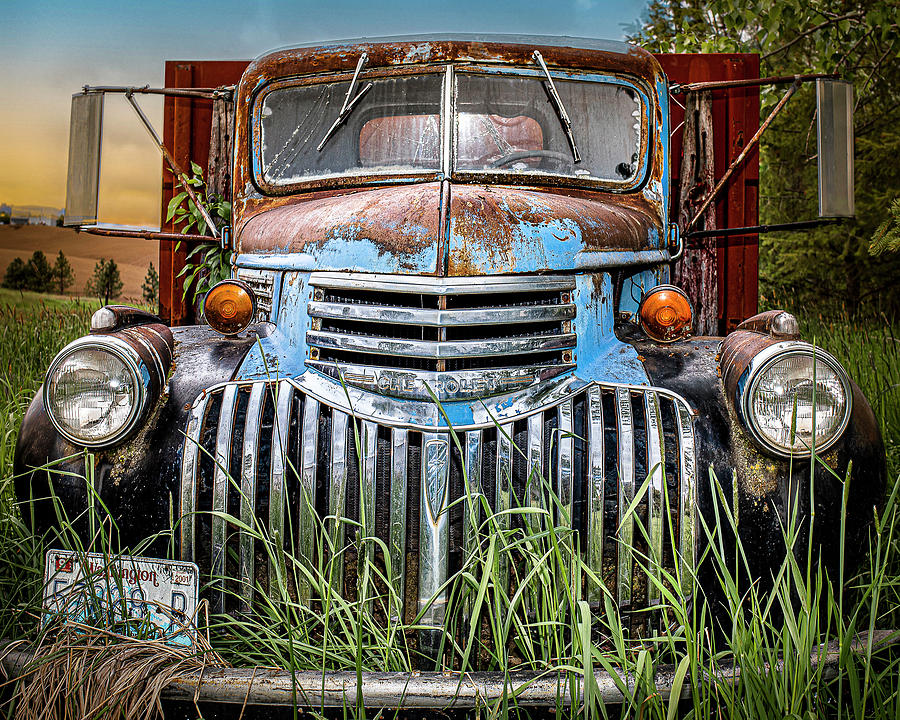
754 667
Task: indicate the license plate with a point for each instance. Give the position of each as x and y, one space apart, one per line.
148 597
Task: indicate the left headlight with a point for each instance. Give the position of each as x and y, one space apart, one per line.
795 397
96 390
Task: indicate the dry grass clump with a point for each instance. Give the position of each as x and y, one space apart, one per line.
84 672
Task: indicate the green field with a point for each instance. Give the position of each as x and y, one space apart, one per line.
566 634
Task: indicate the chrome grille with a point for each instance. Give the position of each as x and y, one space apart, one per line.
479 325
263 284
292 455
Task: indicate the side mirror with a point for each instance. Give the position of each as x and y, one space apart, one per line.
834 106
83 181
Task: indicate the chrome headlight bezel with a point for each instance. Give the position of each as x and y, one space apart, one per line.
136 368
756 370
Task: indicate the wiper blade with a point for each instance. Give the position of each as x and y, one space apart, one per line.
349 104
557 104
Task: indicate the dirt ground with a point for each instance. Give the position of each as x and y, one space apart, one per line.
133 256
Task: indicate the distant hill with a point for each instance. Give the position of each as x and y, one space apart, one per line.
83 250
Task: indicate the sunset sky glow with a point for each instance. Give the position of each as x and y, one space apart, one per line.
51 49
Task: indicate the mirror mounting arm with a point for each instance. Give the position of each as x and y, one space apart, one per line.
173 165
739 159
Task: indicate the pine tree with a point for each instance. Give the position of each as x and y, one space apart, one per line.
16 277
39 273
63 275
150 286
105 283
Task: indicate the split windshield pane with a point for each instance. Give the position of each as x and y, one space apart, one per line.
394 128
509 124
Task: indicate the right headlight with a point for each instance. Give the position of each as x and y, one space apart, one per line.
795 398
96 390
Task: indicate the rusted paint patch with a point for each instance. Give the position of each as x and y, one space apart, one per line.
508 229
400 221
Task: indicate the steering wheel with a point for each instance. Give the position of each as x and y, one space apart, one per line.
512 157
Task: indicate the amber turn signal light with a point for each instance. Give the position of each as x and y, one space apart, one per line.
229 307
666 314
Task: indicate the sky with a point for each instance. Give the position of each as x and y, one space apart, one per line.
51 49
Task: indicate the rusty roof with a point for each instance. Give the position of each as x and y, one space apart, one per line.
562 52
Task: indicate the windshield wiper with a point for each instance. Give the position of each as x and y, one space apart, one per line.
557 103
349 104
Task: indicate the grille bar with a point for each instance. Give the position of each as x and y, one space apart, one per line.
534 490
277 494
189 477
248 490
399 486
220 493
565 447
440 318
472 504
625 424
687 546
503 491
434 528
622 429
338 491
440 286
656 490
306 513
596 483
367 489
439 349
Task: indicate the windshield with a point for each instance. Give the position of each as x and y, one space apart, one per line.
504 124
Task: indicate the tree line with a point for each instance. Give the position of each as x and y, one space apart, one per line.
105 283
854 264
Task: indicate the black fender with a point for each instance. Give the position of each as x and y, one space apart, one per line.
762 490
137 480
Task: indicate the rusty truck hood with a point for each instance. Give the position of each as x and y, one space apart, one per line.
489 229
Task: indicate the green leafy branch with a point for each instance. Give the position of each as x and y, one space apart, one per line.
206 263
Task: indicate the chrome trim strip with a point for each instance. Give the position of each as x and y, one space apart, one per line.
564 449
625 427
277 497
656 489
367 491
306 513
221 476
450 349
151 350
440 318
434 528
473 501
596 482
337 494
424 285
189 465
534 485
165 344
248 490
443 385
687 511
397 534
503 494
473 491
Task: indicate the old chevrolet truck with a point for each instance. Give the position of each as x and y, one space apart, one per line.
451 280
